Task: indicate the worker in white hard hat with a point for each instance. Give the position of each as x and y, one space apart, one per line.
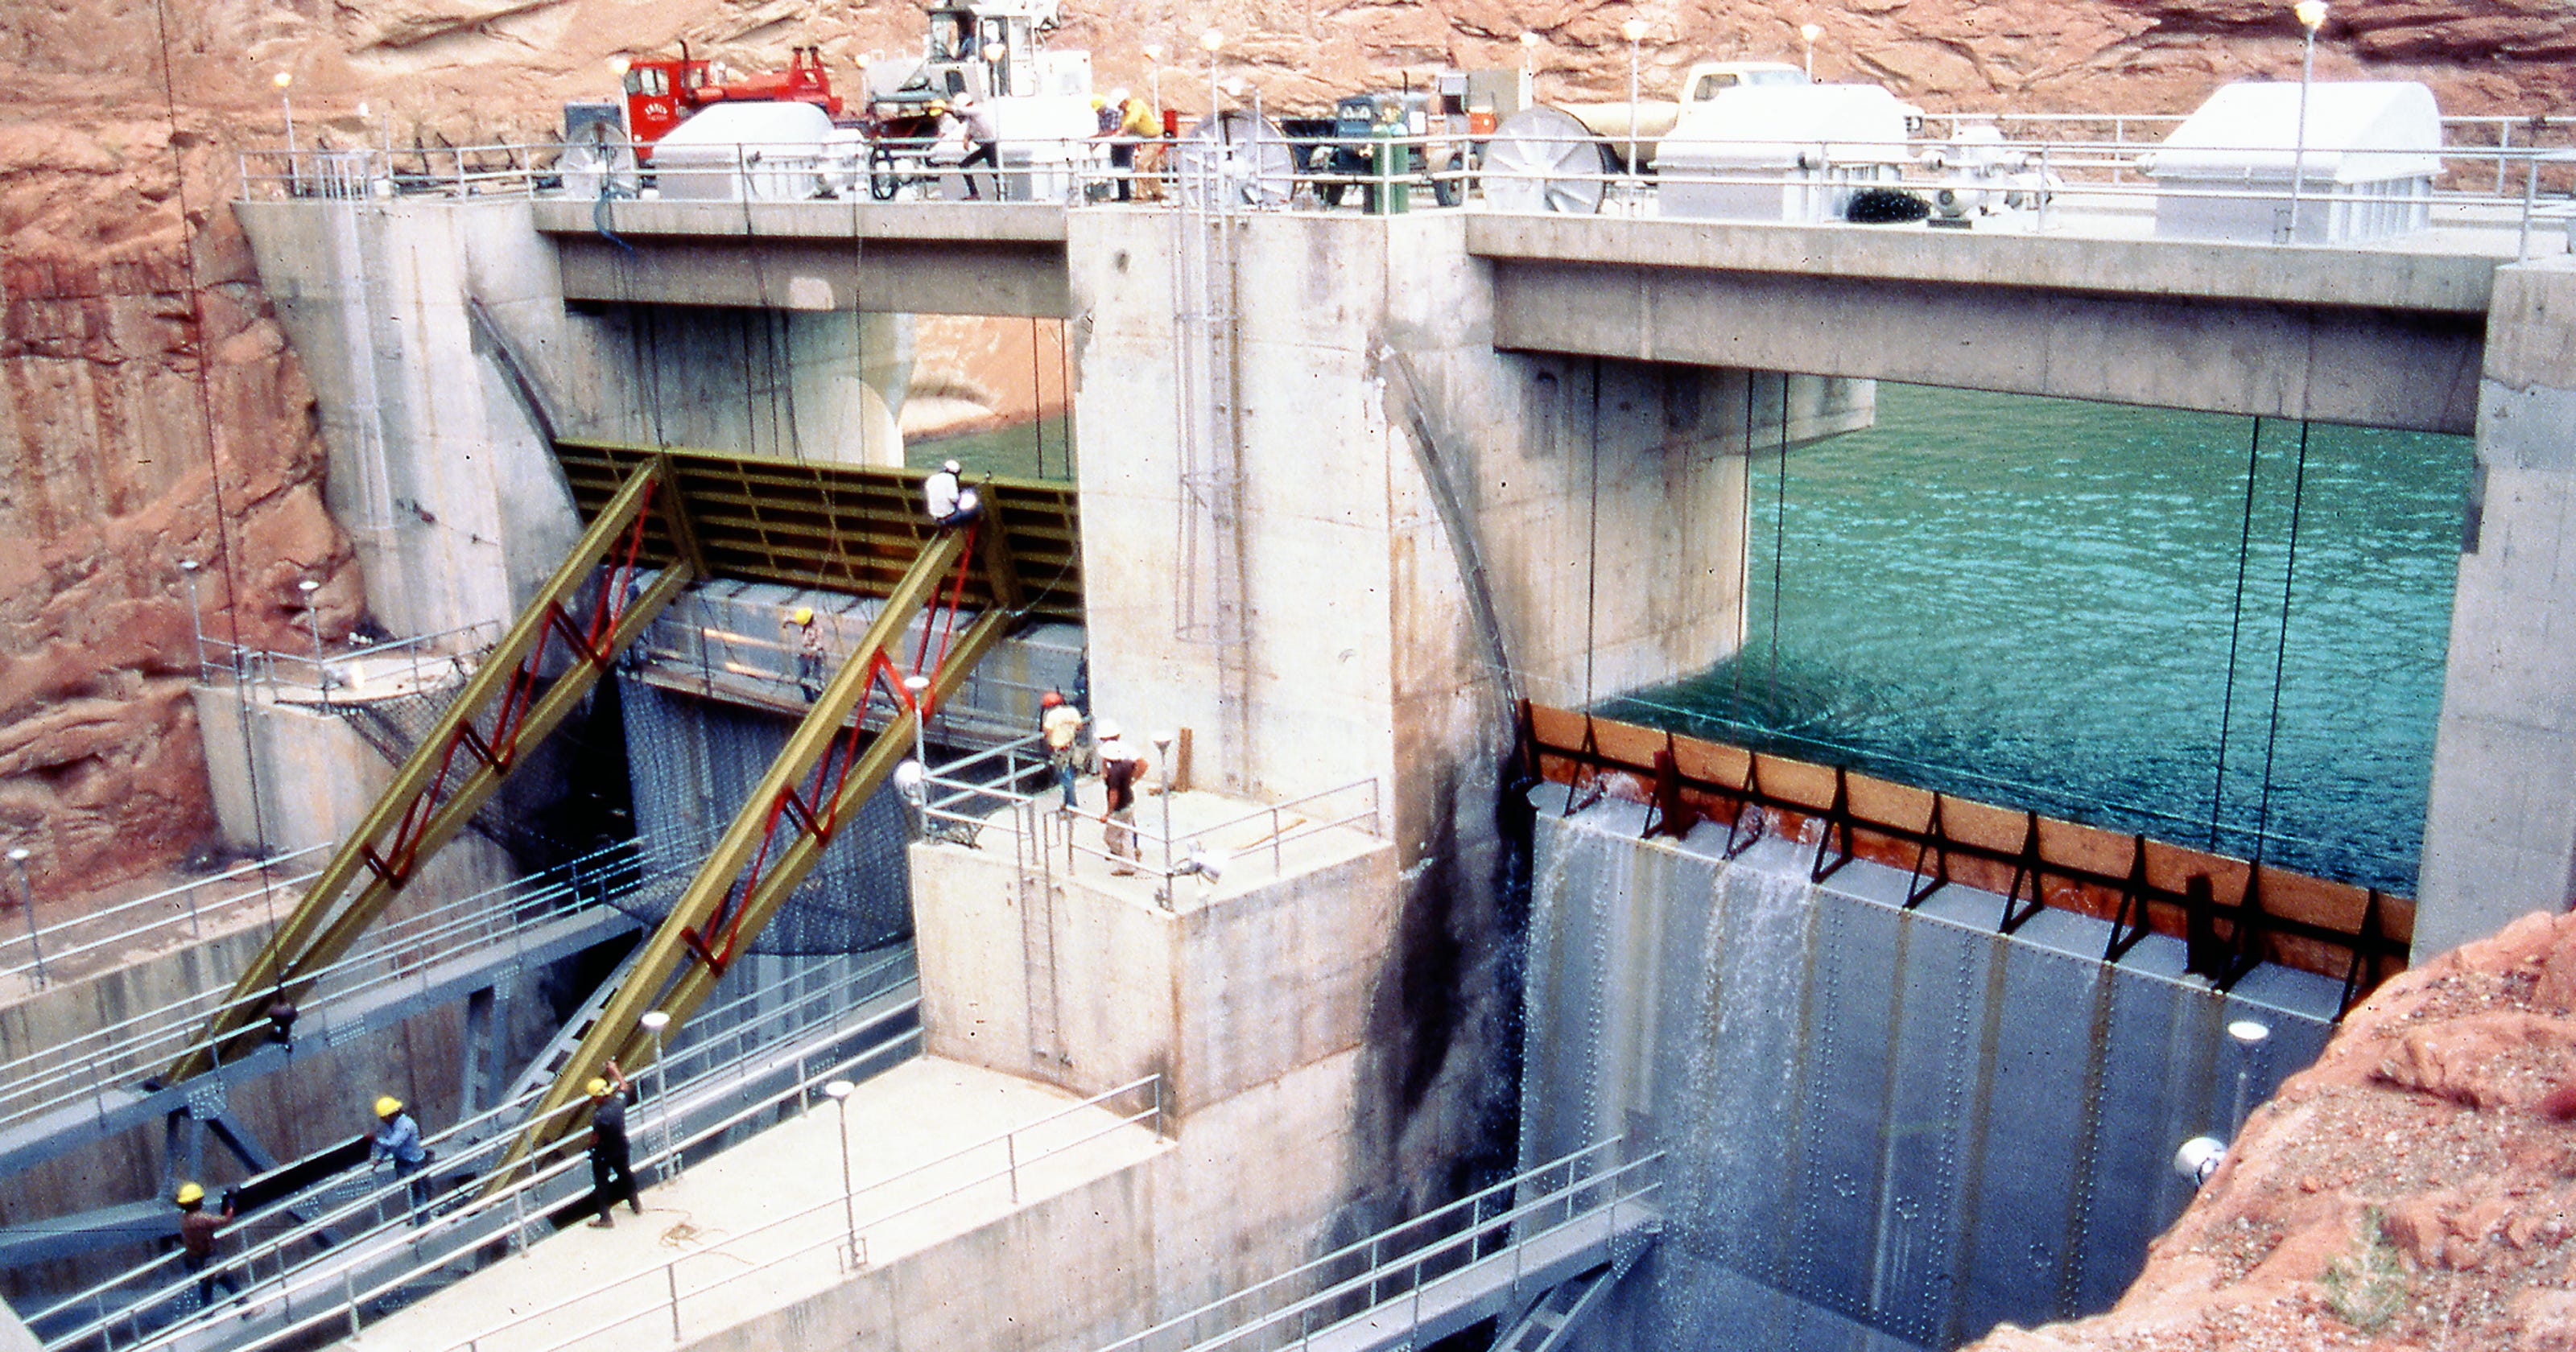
398 1142
197 1230
1122 768
946 501
983 140
612 1167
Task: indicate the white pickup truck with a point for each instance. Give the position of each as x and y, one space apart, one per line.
1655 117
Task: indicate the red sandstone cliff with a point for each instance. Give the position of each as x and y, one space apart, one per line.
121 461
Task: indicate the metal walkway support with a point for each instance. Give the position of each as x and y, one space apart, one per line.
829 766
507 707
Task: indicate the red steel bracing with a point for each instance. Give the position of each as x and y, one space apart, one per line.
395 864
811 806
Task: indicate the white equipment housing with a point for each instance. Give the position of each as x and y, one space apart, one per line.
2364 169
1780 152
731 152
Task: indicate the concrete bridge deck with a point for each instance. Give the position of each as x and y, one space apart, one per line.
742 1236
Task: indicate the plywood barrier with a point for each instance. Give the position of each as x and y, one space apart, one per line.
2231 914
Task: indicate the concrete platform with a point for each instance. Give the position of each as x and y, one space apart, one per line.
723 1233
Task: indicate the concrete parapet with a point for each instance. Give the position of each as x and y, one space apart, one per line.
2500 827
1088 981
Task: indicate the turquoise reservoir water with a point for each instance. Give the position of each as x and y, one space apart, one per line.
2040 603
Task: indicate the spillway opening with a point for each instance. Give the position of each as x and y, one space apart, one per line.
2097 611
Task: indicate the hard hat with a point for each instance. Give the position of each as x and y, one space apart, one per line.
803 615
387 1105
1107 730
597 1088
1049 700
937 106
1098 103
949 465
1118 96
188 1193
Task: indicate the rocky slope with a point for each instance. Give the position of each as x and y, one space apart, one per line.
2414 1189
138 432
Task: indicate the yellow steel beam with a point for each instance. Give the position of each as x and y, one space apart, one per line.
320 930
650 982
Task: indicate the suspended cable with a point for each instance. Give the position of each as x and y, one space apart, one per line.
1592 545
214 463
2281 653
2235 632
1779 531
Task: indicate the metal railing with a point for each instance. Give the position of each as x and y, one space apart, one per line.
400 666
2485 164
46 949
961 808
847 1241
1399 1263
404 949
367 1224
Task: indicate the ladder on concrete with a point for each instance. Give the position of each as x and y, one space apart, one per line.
829 766
538 673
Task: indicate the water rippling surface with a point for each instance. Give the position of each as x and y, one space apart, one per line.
2035 602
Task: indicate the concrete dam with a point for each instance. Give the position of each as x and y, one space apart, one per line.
1419 1004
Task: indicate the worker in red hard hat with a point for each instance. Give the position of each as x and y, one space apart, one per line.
1060 726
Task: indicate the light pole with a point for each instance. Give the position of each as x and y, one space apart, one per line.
839 1092
1213 42
1529 69
313 621
27 898
1154 79
196 618
1635 31
654 1021
915 687
2312 16
1811 32
282 79
2249 1035
1163 757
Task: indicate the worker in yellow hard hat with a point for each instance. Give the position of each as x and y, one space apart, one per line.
799 632
197 1231
398 1142
612 1171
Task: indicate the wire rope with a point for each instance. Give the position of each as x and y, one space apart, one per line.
214 461
1592 543
1779 531
2281 652
2235 635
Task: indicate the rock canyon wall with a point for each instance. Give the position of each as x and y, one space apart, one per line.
154 415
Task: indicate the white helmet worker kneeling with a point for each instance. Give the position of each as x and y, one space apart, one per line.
948 502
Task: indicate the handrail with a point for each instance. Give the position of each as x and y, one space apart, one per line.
854 1234
714 1078
1064 171
411 943
186 892
1478 1225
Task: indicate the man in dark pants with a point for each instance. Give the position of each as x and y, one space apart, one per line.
197 1232
983 143
398 1141
612 1172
